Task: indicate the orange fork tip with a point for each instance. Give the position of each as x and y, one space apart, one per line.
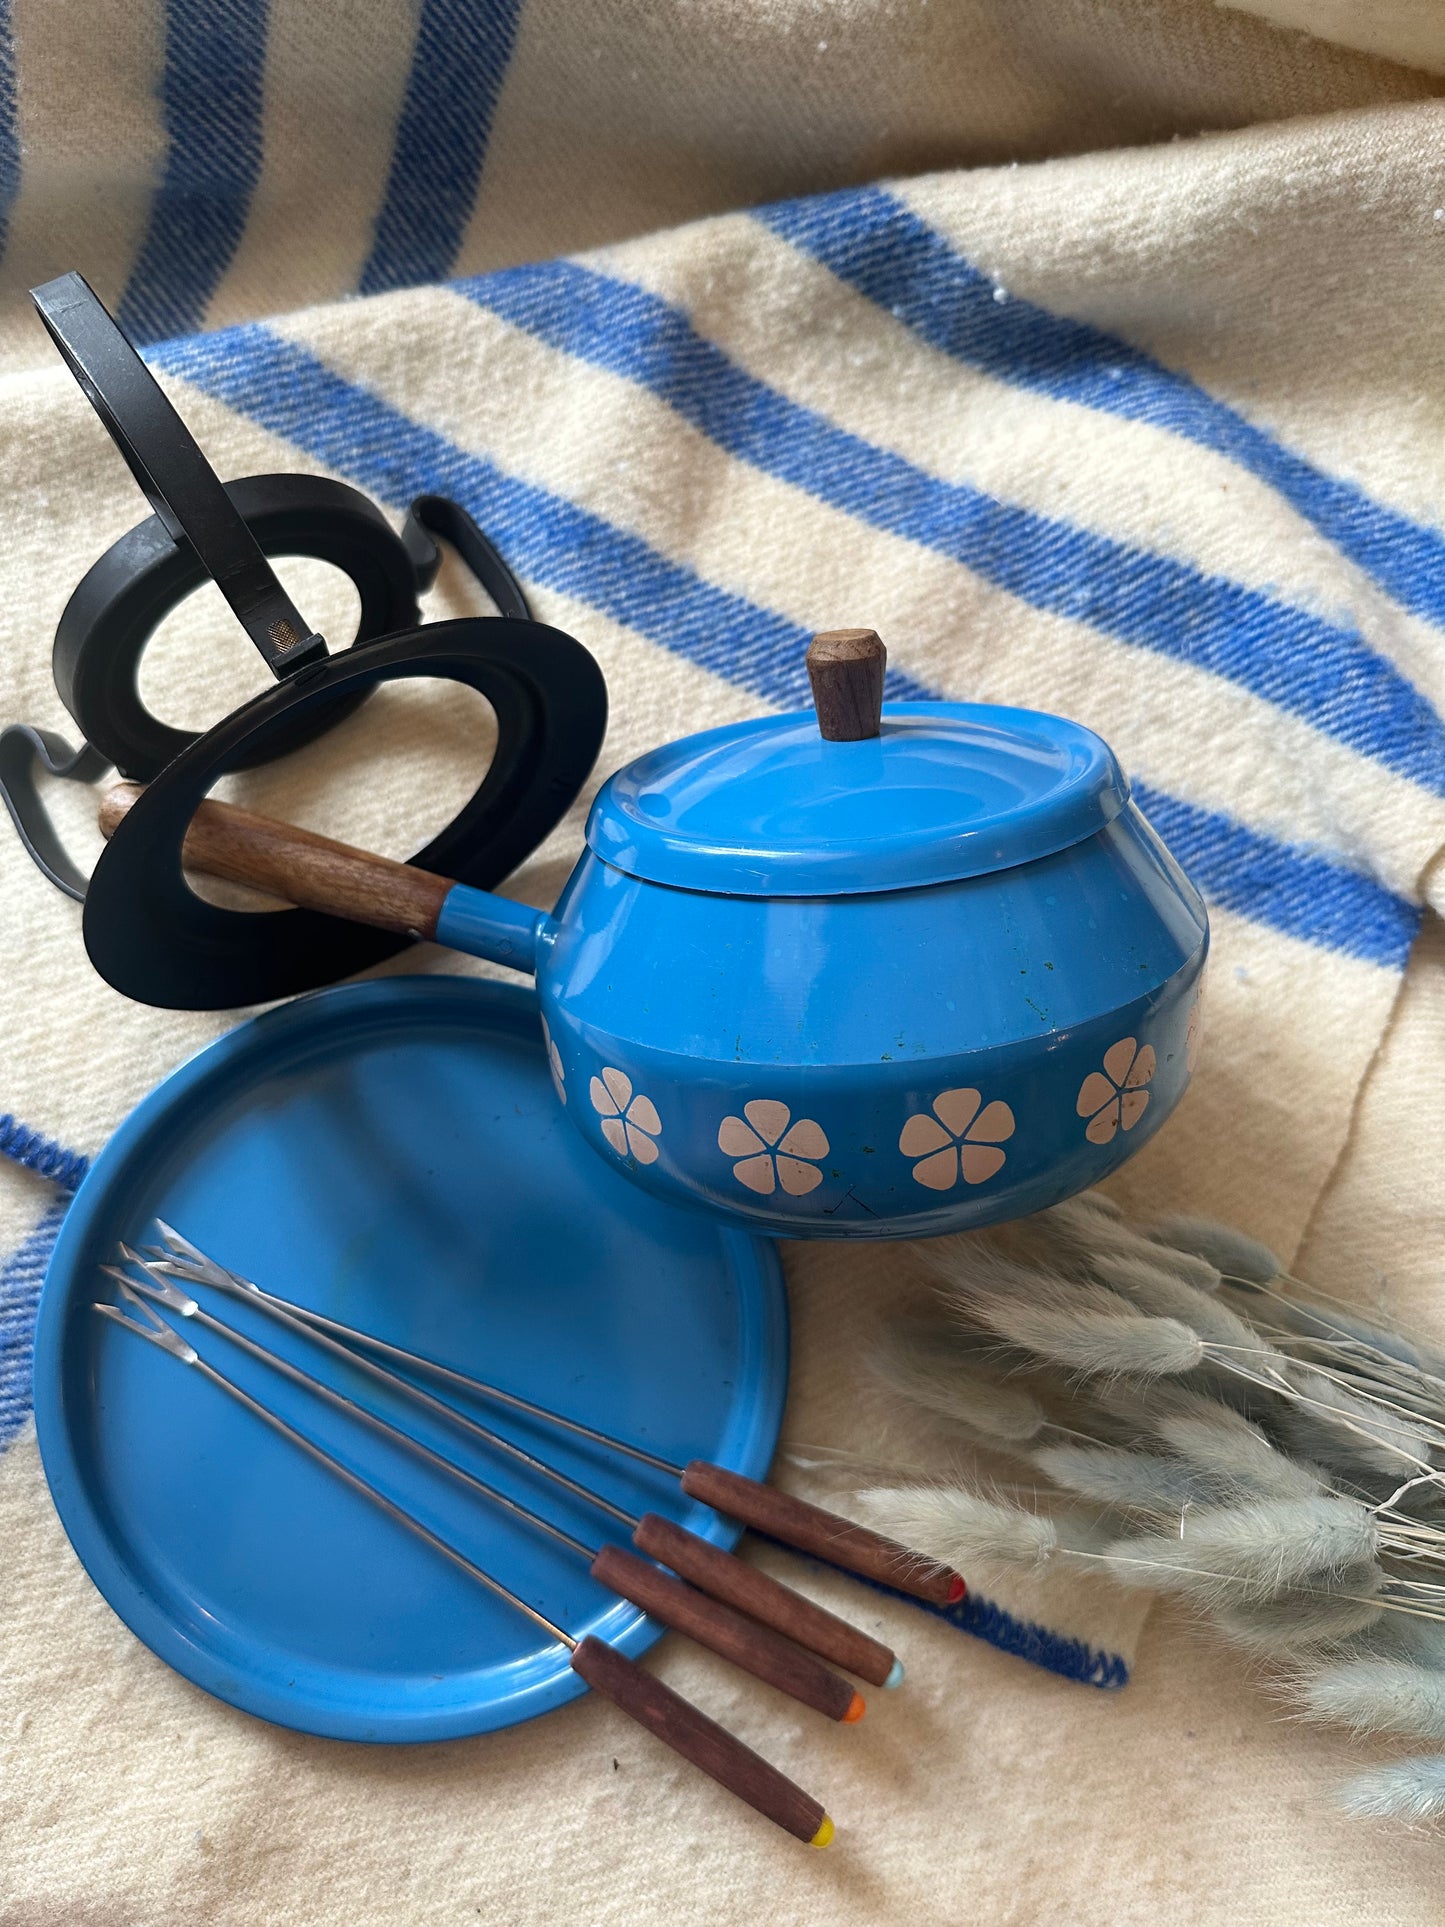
824 1836
857 1707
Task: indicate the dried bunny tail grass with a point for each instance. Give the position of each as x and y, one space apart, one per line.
1160 1294
1074 1235
1103 1344
1410 1790
1376 1696
965 1530
1364 1346
1193 1425
1229 1252
960 1529
1070 1235
1079 1326
1101 1205
970 1265
1406 1636
933 1369
1208 1463
1346 1432
1225 1446
1229 1557
1134 1481
1303 1617
1370 1345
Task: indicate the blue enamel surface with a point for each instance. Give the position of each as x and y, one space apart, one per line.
394 1154
855 1015
481 924
904 976
892 988
769 808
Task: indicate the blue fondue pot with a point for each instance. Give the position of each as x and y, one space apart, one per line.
865 973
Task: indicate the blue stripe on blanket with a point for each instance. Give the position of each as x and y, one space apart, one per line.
1325 674
1291 888
1059 1653
545 536
1026 1639
22 1273
568 549
21 1276
9 123
871 240
41 1154
211 93
462 52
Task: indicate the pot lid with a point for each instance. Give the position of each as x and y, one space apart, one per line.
772 807
244 1565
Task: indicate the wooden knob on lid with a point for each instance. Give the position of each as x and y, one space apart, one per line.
845 667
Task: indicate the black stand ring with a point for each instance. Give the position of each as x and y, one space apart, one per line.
123 599
154 939
146 931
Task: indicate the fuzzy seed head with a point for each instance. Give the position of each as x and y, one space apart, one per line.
1077 1325
1349 1432
1237 1455
1160 1294
1377 1696
1299 1620
1102 1344
1412 1790
1241 1553
960 1529
1133 1481
933 1369
1228 1251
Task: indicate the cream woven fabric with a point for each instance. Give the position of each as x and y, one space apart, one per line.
1147 435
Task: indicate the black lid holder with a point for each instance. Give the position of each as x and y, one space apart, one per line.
145 929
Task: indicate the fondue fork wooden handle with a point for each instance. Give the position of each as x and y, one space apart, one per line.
687 1731
754 1648
810 1529
761 1597
317 873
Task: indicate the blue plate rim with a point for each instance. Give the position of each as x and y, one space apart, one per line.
753 1261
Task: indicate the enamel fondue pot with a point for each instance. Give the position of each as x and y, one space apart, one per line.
890 976
879 971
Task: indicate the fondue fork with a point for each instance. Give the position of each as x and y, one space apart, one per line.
754 1648
664 1713
714 1571
793 1522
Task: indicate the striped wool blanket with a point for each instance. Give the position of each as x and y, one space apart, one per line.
1149 436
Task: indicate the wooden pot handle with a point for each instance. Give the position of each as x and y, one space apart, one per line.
305 869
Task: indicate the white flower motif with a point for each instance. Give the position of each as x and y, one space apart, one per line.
770 1154
629 1123
1116 1095
554 1063
957 1137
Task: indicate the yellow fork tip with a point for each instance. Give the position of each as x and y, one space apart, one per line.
857 1707
823 1837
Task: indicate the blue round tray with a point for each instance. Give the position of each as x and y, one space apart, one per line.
393 1154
